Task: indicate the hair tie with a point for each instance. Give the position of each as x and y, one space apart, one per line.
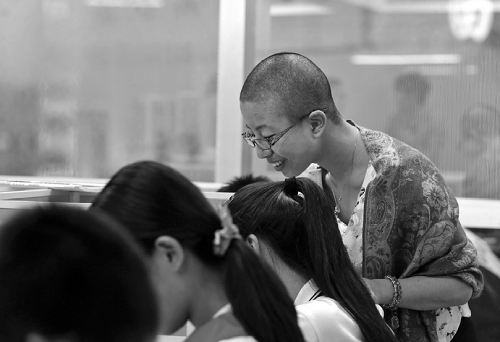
228 232
226 203
292 190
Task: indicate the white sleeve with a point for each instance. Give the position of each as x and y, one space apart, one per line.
308 329
240 339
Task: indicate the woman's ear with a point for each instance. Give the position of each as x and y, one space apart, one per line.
253 242
170 252
317 121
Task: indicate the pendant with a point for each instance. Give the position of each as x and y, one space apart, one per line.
394 321
337 210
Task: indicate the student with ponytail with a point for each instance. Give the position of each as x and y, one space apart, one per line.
291 226
204 271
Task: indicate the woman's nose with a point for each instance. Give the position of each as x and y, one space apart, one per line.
262 154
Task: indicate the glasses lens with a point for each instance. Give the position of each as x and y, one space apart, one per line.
253 141
263 144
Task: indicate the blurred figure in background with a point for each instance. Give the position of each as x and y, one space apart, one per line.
413 123
486 308
480 145
73 276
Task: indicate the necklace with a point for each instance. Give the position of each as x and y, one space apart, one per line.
337 203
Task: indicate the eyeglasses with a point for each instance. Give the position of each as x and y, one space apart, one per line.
268 142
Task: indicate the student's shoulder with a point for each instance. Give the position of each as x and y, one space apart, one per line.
222 328
321 307
323 317
240 339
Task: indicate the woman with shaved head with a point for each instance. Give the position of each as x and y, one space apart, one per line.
398 219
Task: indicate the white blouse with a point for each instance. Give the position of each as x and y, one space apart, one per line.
323 318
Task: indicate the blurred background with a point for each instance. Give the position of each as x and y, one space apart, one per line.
87 86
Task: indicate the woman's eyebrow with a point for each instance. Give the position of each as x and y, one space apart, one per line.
258 128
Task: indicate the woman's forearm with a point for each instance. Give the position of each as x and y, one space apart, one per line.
423 293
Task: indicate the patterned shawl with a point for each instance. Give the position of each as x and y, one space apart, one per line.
411 227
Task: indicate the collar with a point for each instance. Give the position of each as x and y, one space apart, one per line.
306 293
350 122
224 310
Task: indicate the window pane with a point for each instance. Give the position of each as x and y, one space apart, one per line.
88 86
426 72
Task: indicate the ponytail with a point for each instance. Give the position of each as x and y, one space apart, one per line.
258 298
331 267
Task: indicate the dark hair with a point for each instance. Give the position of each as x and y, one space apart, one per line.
68 273
296 220
295 80
414 84
152 200
239 182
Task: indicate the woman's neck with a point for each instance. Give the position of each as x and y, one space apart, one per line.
345 156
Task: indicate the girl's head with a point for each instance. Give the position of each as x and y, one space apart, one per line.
192 249
290 220
294 225
71 275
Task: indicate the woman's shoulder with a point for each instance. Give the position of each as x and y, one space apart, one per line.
322 318
323 308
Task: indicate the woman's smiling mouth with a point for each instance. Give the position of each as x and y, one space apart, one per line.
278 163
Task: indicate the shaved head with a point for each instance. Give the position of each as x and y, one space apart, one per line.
293 80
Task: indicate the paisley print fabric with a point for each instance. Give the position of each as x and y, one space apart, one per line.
447 319
411 227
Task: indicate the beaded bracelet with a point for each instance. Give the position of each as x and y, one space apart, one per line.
396 299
